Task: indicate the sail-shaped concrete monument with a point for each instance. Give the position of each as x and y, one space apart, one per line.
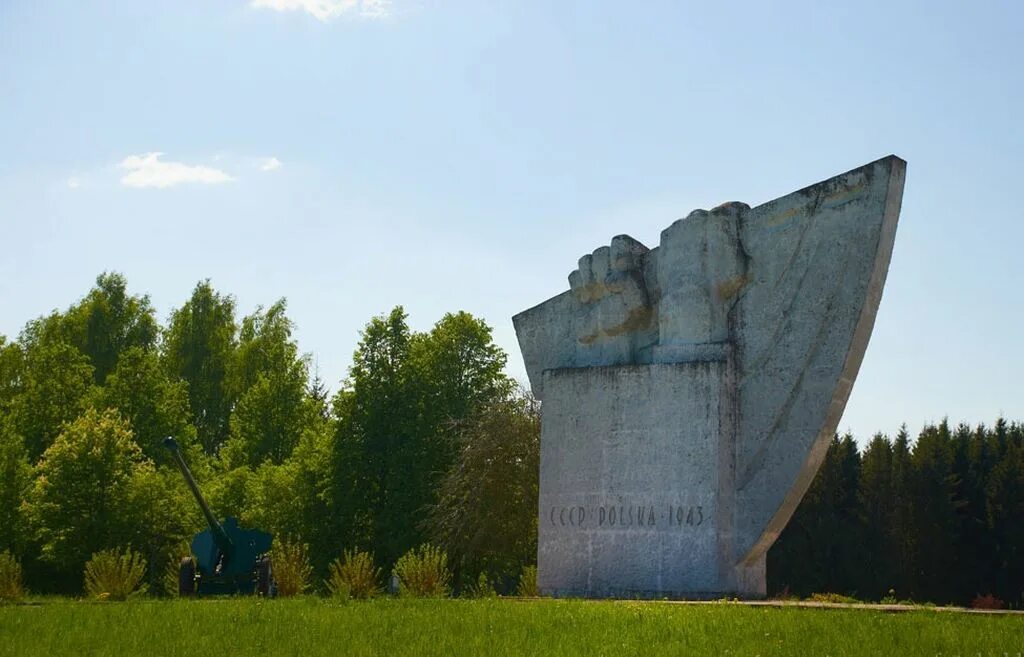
689 391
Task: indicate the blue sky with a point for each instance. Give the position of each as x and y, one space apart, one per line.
352 156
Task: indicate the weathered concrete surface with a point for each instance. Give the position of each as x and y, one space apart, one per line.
761 313
634 499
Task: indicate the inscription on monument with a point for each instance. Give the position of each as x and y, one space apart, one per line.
625 516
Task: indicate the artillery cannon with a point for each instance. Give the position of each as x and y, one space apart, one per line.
228 559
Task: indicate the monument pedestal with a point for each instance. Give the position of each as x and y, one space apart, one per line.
636 483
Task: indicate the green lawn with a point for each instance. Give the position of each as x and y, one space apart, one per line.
313 626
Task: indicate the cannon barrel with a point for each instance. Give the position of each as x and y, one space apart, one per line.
220 536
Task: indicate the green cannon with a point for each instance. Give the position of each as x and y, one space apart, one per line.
228 559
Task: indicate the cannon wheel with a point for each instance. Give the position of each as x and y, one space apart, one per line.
264 578
187 578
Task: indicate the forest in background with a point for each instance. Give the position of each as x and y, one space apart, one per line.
426 440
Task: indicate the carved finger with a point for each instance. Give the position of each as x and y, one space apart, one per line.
625 253
579 290
599 265
731 209
587 271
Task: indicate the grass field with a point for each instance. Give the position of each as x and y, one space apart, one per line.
314 626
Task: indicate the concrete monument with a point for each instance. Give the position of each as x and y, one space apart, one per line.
689 392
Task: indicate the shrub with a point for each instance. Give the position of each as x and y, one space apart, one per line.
354 576
289 563
483 588
10 577
115 575
527 587
987 601
833 598
172 569
423 573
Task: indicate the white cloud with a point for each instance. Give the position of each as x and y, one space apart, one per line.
270 163
148 170
74 182
326 10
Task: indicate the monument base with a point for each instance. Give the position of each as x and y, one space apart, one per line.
636 482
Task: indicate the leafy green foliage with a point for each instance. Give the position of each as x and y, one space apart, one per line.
485 515
483 588
423 573
354 575
115 575
159 516
12 365
290 566
937 519
270 381
288 499
199 347
108 322
55 379
170 579
11 585
527 586
395 438
79 502
153 404
15 481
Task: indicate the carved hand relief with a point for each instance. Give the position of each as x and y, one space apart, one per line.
629 301
701 271
609 285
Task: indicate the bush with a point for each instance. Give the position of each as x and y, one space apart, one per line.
115 575
483 588
354 576
289 562
833 598
423 573
172 569
527 587
987 601
10 577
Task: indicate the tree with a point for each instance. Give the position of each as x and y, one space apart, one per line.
877 506
460 366
319 397
485 515
288 499
199 347
78 504
457 369
159 515
934 514
904 545
818 550
55 380
12 365
1004 495
154 405
270 381
107 322
381 449
405 393
15 479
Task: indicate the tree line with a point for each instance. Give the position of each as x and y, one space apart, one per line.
427 440
387 463
937 519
